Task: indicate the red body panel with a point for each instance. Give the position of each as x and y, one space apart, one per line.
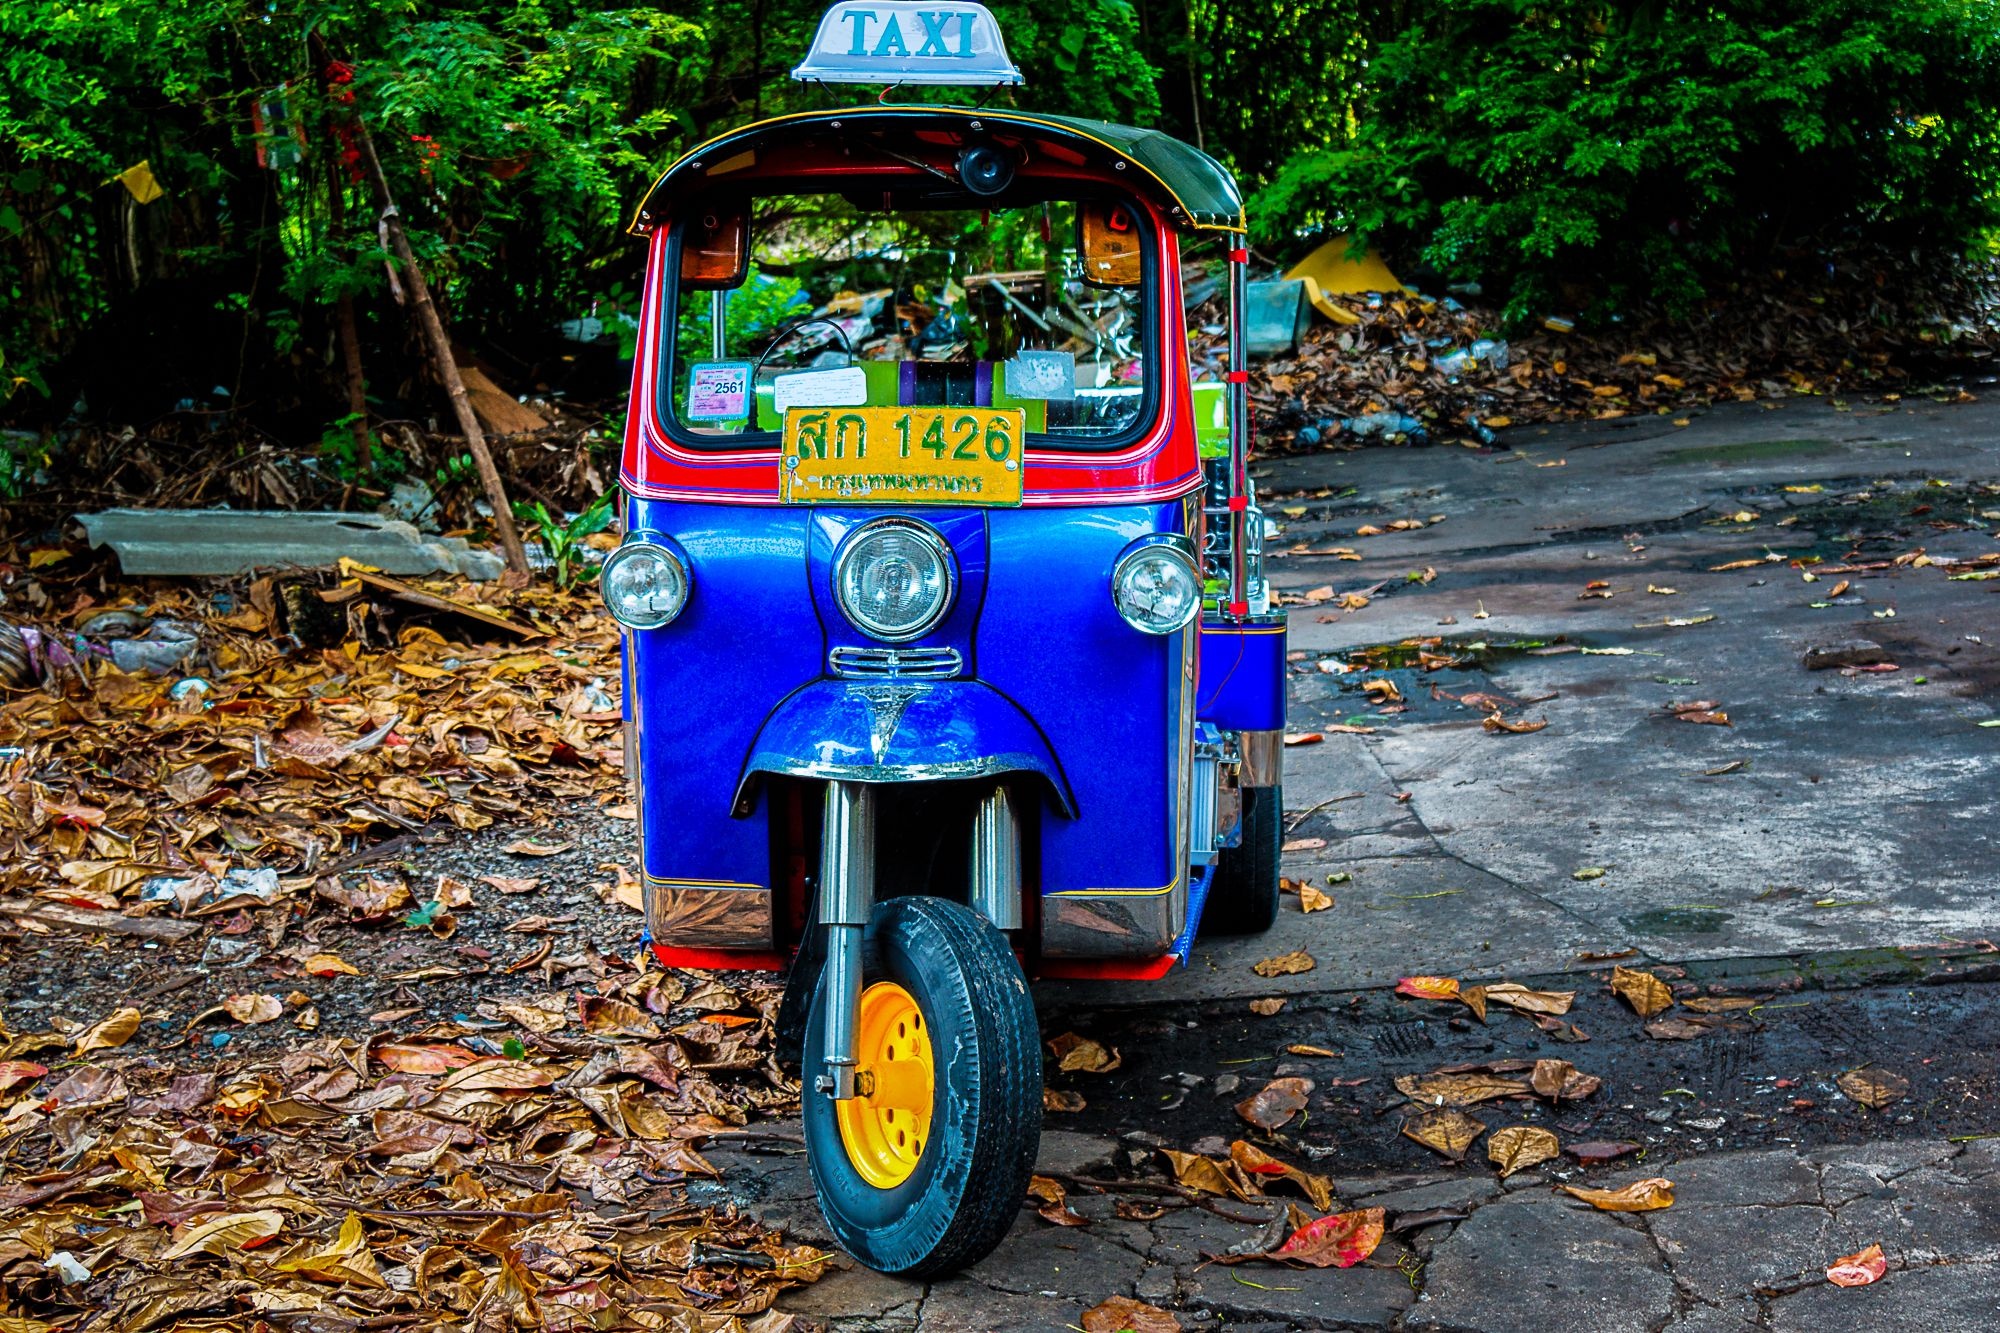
1163 465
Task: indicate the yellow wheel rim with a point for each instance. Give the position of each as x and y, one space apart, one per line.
884 1132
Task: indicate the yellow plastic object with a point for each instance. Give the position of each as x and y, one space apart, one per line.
884 1133
1330 271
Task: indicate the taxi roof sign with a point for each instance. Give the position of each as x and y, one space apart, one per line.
908 41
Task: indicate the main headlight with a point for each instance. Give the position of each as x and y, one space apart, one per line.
894 578
645 585
1155 586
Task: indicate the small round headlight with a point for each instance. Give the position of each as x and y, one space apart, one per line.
894 578
1155 587
645 585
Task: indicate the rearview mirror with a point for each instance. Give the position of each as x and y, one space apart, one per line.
715 249
1110 243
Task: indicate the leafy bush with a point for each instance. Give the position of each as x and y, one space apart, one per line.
1560 149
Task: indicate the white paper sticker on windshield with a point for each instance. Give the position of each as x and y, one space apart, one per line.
846 387
1042 375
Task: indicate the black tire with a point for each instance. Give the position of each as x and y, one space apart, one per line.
986 1112
1243 899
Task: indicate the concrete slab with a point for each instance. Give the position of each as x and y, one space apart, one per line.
1960 1298
1529 1264
237 541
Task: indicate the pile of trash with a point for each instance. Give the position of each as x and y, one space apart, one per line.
1372 361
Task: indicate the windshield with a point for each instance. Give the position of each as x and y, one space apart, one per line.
1040 307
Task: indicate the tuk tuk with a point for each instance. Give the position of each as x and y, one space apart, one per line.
949 660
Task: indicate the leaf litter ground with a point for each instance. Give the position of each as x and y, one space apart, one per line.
323 1003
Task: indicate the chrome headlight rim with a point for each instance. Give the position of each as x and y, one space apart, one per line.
1181 550
926 535
639 544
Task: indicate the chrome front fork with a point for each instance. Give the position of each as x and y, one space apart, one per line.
847 896
995 880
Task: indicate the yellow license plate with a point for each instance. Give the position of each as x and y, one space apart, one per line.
902 456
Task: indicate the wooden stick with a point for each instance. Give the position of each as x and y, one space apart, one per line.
447 365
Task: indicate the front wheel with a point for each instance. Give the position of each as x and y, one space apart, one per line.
1243 898
925 1175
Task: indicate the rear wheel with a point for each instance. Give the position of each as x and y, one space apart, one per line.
1243 899
924 1175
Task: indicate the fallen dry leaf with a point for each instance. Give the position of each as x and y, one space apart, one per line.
1263 1008
1710 717
1457 1089
1277 1102
418 1059
1559 1079
1122 1314
1518 1147
1599 1150
1428 988
1676 1029
1313 900
108 1033
347 1259
1303 737
1205 1175
1638 1197
1646 993
1873 1088
1081 1053
219 1233
535 847
1513 726
1447 1132
1285 964
329 965
609 1017
1053 1202
1058 1099
1717 1004
13 1073
1858 1269
1255 1162
1516 996
254 1008
1341 1240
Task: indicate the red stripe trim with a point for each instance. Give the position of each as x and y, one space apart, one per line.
654 467
1108 969
721 960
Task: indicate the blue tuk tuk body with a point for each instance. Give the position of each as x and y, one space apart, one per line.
1067 754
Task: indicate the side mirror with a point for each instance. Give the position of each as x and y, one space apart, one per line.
715 249
1110 243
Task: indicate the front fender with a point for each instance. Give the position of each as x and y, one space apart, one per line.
901 731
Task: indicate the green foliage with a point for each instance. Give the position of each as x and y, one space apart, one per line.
1643 149
1652 149
338 451
758 306
563 538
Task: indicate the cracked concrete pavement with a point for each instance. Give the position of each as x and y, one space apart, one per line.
1839 812
1744 1247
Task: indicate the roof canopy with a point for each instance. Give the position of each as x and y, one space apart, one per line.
1190 184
